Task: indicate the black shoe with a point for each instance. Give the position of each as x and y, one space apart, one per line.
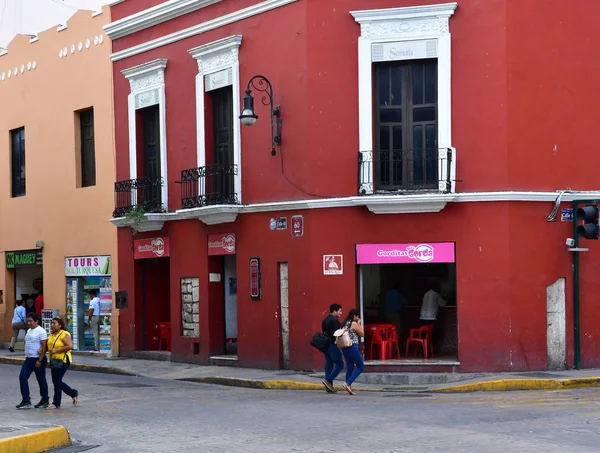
24 405
328 386
42 404
11 349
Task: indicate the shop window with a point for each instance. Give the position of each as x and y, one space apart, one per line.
17 161
87 148
406 125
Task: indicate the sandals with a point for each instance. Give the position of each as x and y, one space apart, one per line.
348 389
52 407
75 400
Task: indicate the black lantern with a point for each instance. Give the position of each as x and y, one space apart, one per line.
249 117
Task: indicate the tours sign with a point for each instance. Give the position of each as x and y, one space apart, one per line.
87 266
23 258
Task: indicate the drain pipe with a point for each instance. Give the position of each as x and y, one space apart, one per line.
576 323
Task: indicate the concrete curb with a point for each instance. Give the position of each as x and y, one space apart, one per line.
503 385
36 442
74 366
256 383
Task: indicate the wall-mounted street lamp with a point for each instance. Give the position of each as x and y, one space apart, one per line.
248 117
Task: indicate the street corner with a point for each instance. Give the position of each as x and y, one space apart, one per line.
30 438
503 385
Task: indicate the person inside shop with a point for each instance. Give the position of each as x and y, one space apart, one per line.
393 303
432 301
39 303
19 322
94 318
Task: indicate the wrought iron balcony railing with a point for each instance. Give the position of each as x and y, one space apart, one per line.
208 186
140 193
405 171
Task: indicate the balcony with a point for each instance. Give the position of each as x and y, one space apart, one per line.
208 186
406 171
141 194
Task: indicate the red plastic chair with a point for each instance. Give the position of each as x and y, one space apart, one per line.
392 339
376 339
164 329
422 336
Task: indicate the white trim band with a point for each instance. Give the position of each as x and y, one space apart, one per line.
212 24
154 16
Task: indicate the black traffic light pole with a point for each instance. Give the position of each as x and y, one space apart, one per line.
576 232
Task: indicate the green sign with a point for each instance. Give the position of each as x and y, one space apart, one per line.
23 258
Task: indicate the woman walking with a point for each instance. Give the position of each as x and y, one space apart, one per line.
59 347
354 360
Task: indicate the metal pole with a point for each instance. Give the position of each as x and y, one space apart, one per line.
360 296
576 323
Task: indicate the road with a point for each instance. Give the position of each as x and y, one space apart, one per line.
129 414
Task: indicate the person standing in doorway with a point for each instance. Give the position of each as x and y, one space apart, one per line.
334 362
36 343
19 322
39 303
354 360
60 345
94 318
432 301
393 303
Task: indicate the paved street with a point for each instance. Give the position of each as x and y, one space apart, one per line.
129 414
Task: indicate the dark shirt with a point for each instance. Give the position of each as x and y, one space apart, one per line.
329 326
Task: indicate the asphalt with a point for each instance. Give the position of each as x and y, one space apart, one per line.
296 380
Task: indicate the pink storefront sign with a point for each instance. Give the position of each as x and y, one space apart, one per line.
435 252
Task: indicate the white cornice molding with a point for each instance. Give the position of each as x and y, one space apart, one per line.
203 27
154 16
217 54
378 204
444 10
146 75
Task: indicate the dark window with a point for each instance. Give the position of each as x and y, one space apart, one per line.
88 150
152 170
223 136
17 161
406 125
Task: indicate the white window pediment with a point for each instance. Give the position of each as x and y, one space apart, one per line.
218 67
147 84
396 34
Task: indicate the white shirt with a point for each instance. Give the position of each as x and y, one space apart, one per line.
33 341
432 301
95 304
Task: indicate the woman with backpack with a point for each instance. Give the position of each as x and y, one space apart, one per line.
354 360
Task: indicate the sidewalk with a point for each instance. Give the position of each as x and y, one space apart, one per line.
297 380
23 436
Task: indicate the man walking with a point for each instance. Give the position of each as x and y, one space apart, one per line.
19 322
334 361
36 345
94 318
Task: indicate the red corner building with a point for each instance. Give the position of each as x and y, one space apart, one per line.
423 162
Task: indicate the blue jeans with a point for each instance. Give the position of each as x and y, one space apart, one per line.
59 385
333 356
40 374
354 363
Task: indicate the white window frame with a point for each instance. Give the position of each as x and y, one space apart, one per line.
147 82
401 25
219 57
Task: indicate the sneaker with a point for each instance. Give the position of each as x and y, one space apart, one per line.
11 349
24 405
42 404
328 386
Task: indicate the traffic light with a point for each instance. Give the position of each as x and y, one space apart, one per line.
589 215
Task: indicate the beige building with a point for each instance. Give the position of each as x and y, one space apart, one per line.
57 172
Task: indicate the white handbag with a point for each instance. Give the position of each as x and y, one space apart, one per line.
342 338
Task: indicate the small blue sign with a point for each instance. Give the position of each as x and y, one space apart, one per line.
566 215
282 223
272 224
